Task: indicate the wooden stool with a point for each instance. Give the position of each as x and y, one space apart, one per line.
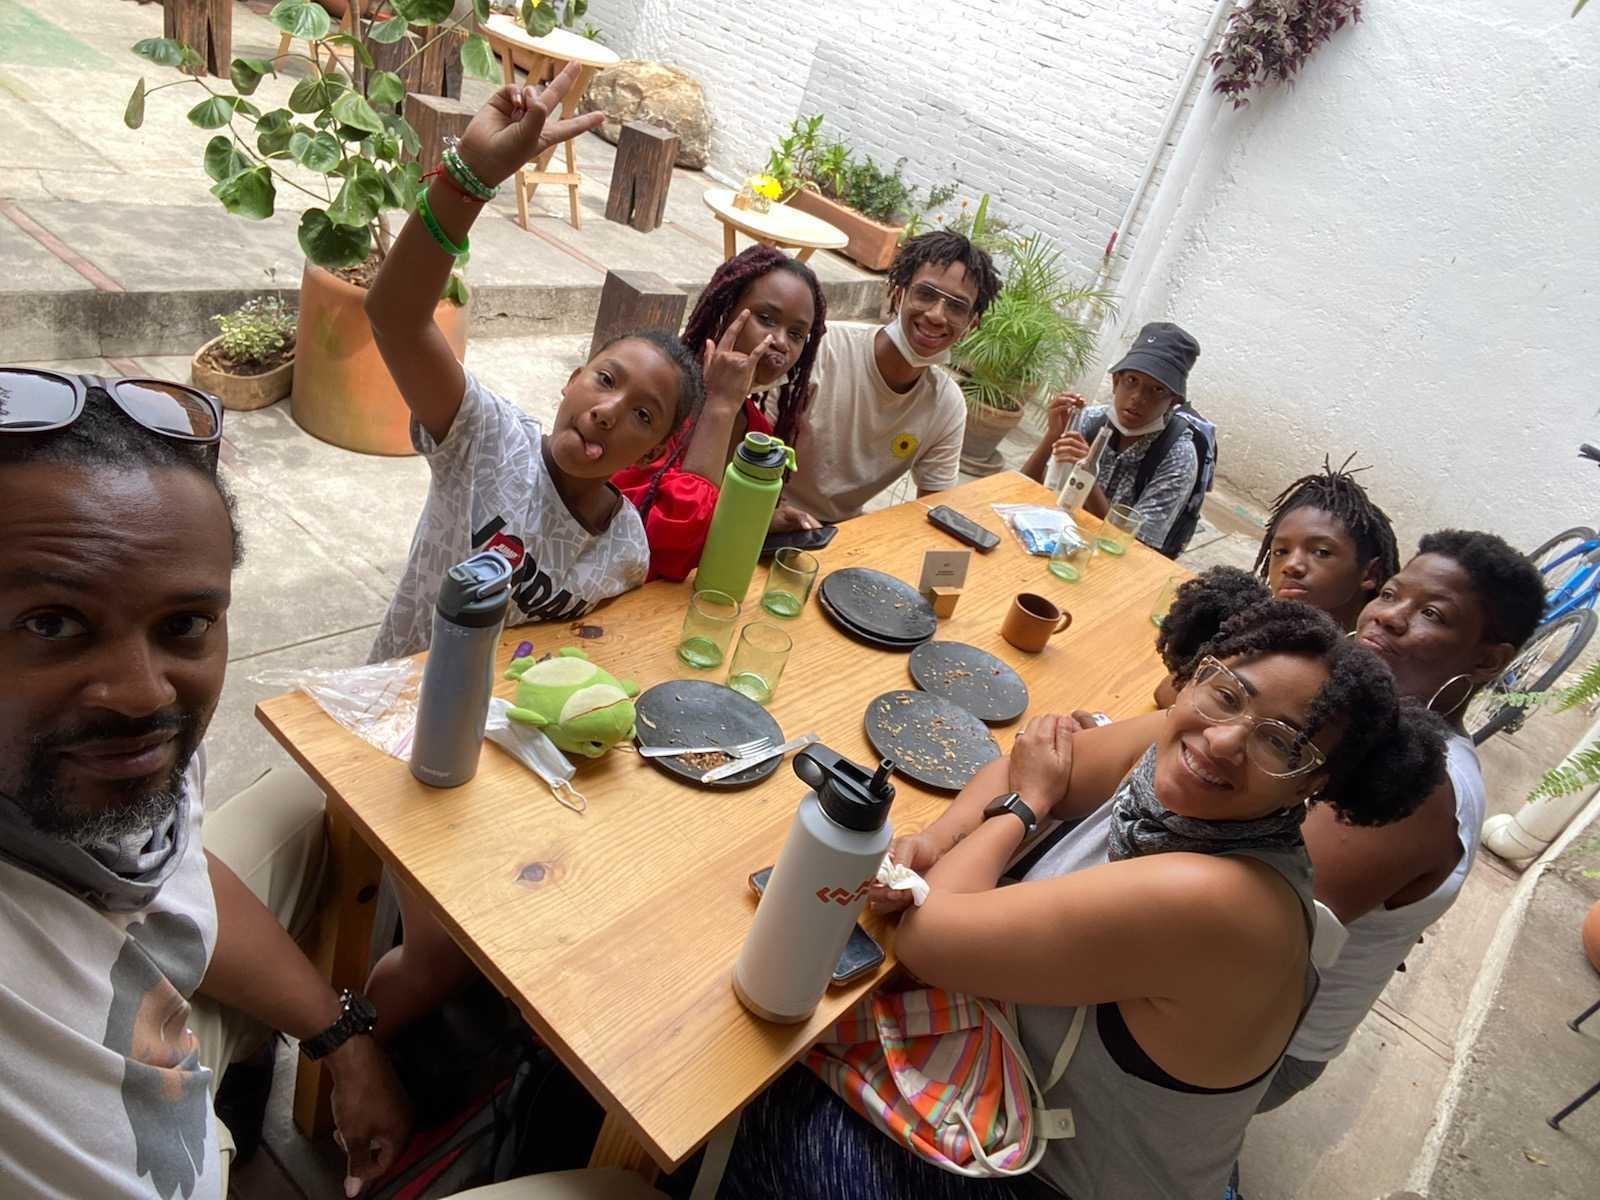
633 301
781 226
435 118
205 26
425 73
346 24
641 175
547 56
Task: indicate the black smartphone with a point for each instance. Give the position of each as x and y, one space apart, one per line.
861 952
963 529
798 539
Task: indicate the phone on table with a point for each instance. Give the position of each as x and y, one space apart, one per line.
963 529
861 953
798 539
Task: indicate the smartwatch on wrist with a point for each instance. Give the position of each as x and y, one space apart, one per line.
356 1016
1012 803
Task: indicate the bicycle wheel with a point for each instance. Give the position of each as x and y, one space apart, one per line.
1558 559
1553 648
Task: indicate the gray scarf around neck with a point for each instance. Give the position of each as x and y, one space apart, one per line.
117 875
1141 824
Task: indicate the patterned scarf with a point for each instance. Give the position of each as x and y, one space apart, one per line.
1141 824
120 875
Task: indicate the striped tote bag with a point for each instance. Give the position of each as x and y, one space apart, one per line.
945 1075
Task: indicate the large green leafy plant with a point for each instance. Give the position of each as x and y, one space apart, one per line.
803 159
342 129
1037 334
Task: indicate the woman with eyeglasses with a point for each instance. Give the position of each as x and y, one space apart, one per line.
1177 914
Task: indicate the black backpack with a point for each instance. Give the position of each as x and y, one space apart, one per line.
1185 422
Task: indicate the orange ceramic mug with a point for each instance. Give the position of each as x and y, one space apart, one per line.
1032 621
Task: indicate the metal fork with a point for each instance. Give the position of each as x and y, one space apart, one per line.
739 750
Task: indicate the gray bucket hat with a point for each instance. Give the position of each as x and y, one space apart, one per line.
1163 351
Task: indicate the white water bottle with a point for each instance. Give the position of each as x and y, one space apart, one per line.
818 887
1081 478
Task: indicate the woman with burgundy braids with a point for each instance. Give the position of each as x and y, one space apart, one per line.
758 322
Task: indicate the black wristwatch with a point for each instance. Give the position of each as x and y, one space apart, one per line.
1012 803
357 1016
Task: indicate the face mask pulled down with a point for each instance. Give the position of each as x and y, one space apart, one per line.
897 334
1127 430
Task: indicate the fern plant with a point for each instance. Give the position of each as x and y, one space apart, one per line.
1037 332
1581 768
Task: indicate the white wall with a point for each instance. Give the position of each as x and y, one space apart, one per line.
1052 106
1396 256
1400 256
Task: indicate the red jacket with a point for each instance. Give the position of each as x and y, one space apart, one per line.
680 518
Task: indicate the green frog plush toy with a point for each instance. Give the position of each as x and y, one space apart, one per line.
582 708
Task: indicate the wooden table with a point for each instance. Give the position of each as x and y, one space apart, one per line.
548 55
782 226
615 932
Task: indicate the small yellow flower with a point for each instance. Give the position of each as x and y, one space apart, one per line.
766 186
904 445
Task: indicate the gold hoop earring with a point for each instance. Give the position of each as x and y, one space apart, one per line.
1467 695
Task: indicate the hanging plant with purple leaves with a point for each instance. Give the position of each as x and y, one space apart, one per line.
1268 41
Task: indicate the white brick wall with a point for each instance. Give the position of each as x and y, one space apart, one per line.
1051 106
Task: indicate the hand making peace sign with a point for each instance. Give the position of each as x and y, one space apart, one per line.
514 128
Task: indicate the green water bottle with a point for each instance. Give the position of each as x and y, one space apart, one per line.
750 488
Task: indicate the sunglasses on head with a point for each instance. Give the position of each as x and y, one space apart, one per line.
33 400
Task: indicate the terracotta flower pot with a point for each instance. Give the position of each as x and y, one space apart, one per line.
1591 936
871 244
240 393
986 429
342 391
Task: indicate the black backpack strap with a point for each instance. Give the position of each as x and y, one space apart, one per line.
1177 427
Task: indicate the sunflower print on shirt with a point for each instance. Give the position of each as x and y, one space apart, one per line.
904 445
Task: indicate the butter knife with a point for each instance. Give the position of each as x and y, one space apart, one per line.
755 760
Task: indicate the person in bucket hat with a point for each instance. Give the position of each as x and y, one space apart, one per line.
1147 384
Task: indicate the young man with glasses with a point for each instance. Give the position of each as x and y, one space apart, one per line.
879 409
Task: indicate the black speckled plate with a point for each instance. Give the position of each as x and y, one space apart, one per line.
932 741
880 605
693 712
975 679
861 635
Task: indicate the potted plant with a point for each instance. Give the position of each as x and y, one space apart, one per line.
341 141
250 363
1033 337
869 205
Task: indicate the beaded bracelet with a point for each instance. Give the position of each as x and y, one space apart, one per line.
463 175
433 226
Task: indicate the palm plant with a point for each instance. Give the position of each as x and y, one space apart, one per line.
1038 333
1581 768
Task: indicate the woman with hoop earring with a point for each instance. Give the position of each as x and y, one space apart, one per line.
1448 623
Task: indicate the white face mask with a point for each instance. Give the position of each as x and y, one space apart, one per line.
1150 427
897 334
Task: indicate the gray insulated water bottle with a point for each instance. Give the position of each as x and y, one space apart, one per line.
458 678
839 836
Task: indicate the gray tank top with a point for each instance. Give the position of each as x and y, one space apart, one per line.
1138 1140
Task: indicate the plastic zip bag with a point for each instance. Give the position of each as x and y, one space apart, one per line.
378 703
1038 527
